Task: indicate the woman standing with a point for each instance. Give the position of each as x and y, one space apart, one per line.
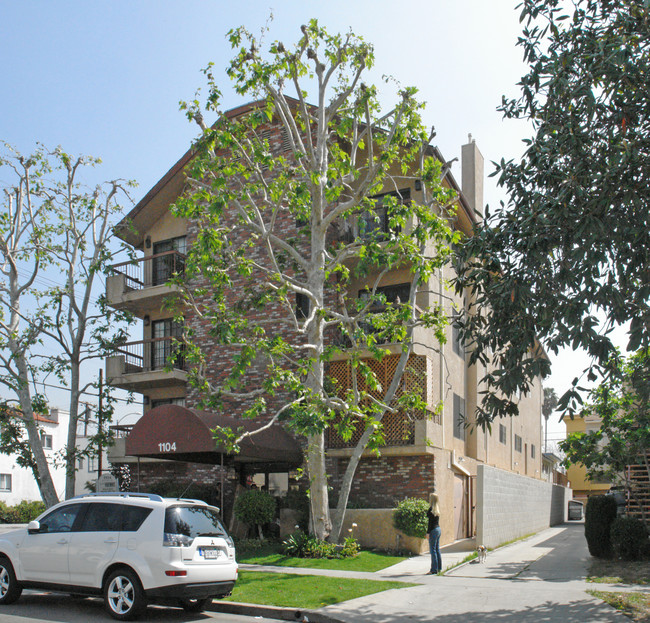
433 515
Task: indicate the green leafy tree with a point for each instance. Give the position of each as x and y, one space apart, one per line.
306 224
567 258
548 406
52 231
623 439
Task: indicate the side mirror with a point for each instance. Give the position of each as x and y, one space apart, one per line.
33 527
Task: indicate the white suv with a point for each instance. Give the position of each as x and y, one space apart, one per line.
132 548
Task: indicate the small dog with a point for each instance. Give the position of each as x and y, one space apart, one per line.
481 550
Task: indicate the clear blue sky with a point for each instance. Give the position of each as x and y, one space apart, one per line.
105 77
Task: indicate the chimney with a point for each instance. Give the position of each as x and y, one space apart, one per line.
472 175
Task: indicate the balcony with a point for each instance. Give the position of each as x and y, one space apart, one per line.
140 286
137 366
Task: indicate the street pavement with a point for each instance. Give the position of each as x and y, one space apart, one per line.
540 579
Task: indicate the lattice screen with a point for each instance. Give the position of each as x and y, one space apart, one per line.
399 427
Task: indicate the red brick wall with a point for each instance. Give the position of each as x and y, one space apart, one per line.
384 481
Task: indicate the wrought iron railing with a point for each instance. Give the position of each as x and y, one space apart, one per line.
152 270
154 354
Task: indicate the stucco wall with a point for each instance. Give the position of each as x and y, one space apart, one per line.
510 506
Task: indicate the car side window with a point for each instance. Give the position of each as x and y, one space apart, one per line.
102 517
134 516
60 520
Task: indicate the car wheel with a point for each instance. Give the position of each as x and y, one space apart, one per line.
195 605
10 588
123 595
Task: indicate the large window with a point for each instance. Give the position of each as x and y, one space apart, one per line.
456 340
459 417
164 266
163 333
375 224
46 441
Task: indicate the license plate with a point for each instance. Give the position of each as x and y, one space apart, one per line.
210 554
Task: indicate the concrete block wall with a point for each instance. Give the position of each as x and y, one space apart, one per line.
510 506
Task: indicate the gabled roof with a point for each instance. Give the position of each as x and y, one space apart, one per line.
155 203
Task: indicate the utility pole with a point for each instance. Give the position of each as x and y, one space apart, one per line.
99 422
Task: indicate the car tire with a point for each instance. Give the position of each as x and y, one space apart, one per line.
195 605
124 598
10 588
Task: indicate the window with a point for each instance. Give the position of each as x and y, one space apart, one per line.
393 295
102 518
376 223
163 332
456 341
92 463
61 520
532 451
164 266
133 517
502 433
459 417
168 401
80 463
46 441
302 306
518 445
5 482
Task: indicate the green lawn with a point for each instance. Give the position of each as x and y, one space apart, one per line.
269 554
303 591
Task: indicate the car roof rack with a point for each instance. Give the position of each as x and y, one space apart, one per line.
122 494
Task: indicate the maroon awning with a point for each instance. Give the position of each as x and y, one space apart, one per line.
177 433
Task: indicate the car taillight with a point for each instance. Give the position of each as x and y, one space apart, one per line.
177 540
174 573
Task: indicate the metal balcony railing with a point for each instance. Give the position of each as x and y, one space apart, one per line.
152 270
148 355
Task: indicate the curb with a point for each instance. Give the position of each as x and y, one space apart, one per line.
272 612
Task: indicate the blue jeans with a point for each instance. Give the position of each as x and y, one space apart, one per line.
434 549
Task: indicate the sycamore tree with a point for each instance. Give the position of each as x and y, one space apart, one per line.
286 226
623 405
56 240
566 260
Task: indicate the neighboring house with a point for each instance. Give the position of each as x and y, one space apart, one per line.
18 483
426 452
551 471
582 486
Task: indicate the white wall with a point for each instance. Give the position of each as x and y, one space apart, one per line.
23 484
510 506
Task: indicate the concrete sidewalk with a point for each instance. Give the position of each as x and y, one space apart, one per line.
540 579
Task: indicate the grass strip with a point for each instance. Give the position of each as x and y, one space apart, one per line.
287 590
634 605
365 561
619 571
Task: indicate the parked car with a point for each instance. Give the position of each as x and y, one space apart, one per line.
575 509
131 548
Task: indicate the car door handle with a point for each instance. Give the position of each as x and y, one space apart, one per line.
62 541
110 540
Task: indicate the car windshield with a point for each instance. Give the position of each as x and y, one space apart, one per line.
193 521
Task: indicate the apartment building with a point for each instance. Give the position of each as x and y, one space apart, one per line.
18 483
426 451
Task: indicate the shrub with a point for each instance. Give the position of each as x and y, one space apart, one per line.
23 512
410 517
599 516
297 500
301 545
628 536
26 510
255 507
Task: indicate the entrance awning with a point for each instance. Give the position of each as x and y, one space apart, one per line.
177 433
